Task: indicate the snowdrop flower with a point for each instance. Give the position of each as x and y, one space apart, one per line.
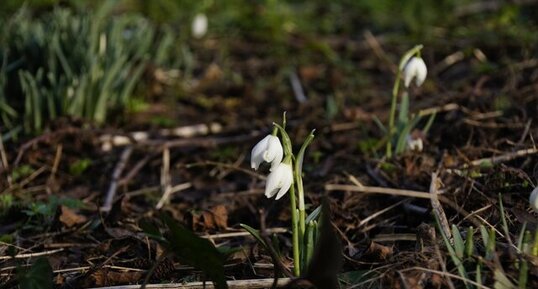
533 200
199 25
415 68
279 181
414 143
268 149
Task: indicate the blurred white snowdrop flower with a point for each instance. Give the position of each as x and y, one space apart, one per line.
414 143
279 181
533 200
268 149
415 69
199 25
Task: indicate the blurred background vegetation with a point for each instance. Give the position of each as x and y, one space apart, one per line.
98 60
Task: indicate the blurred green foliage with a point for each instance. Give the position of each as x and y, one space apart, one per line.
86 58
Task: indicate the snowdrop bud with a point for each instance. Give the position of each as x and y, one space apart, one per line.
414 143
279 181
199 26
415 68
533 200
268 149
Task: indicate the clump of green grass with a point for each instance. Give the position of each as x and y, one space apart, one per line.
74 64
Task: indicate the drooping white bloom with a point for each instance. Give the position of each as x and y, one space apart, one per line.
414 143
199 25
268 149
279 181
415 69
533 200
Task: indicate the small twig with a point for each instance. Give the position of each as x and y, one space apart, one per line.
136 168
297 88
56 163
436 205
140 137
446 274
3 157
376 214
235 284
374 44
505 157
242 233
166 179
378 190
173 190
31 255
115 179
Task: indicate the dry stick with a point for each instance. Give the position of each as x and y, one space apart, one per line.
136 168
437 208
57 158
358 187
374 44
110 140
115 179
297 88
165 178
31 255
241 234
3 157
170 192
235 284
505 157
446 274
376 214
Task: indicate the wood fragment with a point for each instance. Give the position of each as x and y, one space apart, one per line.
437 207
235 284
115 179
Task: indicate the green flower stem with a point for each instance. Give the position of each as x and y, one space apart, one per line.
392 115
295 233
298 178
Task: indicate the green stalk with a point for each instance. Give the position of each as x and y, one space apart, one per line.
392 115
298 178
403 61
295 233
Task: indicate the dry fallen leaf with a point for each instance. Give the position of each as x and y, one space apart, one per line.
69 218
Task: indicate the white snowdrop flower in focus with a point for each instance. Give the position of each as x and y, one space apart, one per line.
279 181
268 149
199 25
533 200
414 143
415 69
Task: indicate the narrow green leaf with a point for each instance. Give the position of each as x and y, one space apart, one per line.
256 234
39 276
314 215
459 246
196 251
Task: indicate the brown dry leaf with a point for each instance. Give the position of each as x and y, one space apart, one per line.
69 218
209 220
220 215
59 279
214 218
380 252
105 277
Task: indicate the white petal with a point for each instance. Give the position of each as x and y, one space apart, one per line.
256 156
421 72
273 146
533 200
275 152
415 69
286 180
199 26
407 75
272 183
